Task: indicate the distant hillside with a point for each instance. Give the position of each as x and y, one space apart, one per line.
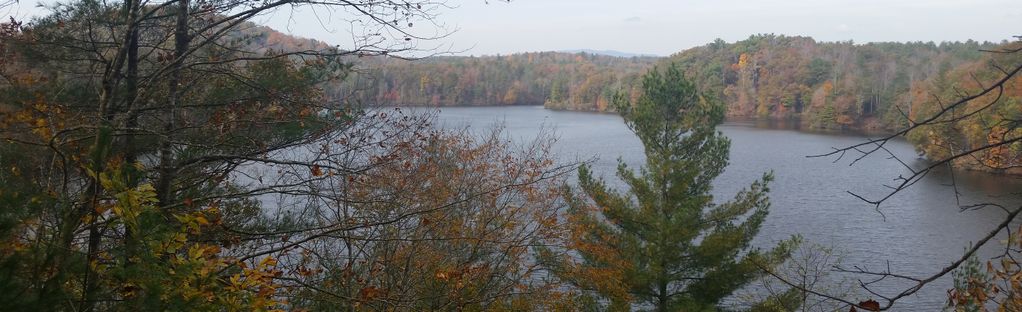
556 79
579 80
609 53
990 119
261 39
827 84
823 84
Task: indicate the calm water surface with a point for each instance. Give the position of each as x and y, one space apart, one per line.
924 230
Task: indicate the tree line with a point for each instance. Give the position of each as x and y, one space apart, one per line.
574 81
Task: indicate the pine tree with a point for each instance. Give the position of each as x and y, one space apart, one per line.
664 243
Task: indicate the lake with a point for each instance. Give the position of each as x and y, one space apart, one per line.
921 230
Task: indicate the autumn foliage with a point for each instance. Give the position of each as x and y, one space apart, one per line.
983 133
171 158
995 286
557 80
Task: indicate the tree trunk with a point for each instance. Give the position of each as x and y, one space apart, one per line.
167 167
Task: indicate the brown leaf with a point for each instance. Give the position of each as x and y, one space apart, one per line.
369 293
869 305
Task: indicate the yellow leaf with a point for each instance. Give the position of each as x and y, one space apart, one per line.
268 261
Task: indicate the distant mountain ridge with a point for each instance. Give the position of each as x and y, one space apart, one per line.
610 53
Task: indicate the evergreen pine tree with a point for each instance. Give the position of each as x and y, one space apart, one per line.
664 243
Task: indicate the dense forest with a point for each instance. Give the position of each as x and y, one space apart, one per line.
830 85
873 86
827 85
986 128
581 81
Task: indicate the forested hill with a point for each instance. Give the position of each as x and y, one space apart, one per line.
576 81
986 128
878 86
259 39
829 85
826 84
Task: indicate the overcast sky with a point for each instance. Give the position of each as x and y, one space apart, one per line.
665 27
